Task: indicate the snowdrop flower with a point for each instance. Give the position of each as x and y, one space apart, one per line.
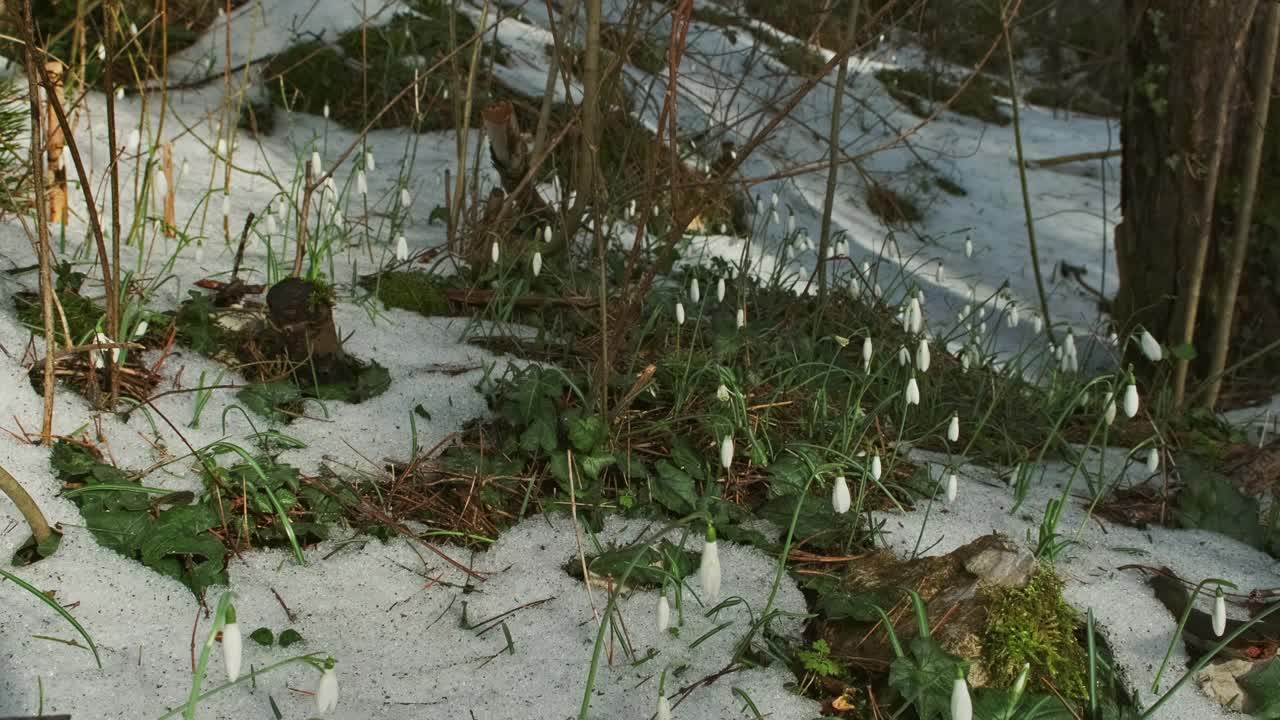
722 228
494 252
327 690
120 93
695 292
840 499
1130 398
964 361
317 167
134 142
369 163
272 226
631 209
922 355
719 290
199 252
726 451
1219 613
1109 408
221 151
973 293
968 247
773 217
1150 347
362 184
773 201
679 313
904 357
1037 323
232 643
915 318
791 223
867 350
133 29
742 318
102 53
226 205
664 708
405 198
709 567
913 391
1013 315
953 487
537 263
182 171
961 704
722 393
875 467
546 233
1153 459
326 111
664 612
953 428
402 249
160 184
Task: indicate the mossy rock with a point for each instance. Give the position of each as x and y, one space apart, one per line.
912 87
1033 624
408 290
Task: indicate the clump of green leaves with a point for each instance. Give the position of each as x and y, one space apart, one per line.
1033 624
817 662
910 87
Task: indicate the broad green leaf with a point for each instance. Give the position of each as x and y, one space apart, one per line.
673 488
925 676
1262 684
263 636
587 434
289 637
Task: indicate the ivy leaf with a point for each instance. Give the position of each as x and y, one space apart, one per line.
925 677
587 433
674 489
289 637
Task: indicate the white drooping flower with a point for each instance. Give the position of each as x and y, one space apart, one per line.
664 708
362 183
1219 613
1037 323
964 361
317 167
953 428
742 318
405 198
915 318
791 223
1013 315
726 451
1153 459
922 355
679 313
495 252
875 467
546 233
402 249
272 226
913 391
222 148
773 201
867 350
773 217
326 111
160 184
140 329
722 393
840 499
537 263
120 93
904 357
1130 399
968 247
1150 347
102 52
199 252
232 645
663 612
953 487
709 567
1109 408
369 163
327 689
961 704
719 290
695 292
133 144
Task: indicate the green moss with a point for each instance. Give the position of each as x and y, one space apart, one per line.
910 87
410 290
1033 624
82 315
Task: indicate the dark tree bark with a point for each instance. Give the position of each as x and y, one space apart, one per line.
1180 54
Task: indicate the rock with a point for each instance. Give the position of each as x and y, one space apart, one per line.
1220 681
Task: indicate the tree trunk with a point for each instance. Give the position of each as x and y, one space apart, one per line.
1180 53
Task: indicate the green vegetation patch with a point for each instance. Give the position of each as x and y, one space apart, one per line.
911 87
408 290
1033 624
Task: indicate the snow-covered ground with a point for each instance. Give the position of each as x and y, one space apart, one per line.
393 620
